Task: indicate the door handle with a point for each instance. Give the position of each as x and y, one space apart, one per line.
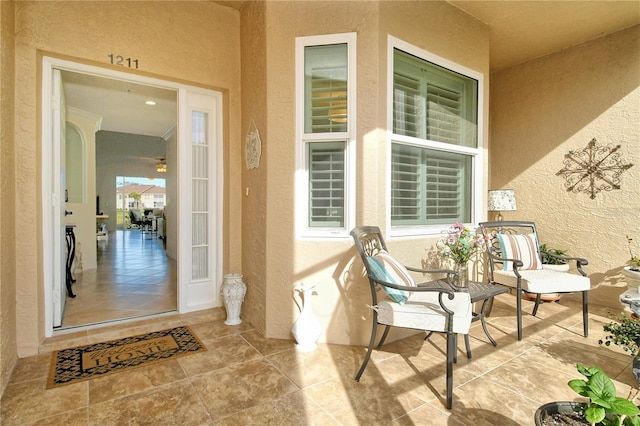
66 213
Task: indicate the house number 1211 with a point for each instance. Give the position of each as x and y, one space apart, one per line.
122 61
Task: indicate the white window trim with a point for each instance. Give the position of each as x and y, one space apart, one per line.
477 153
301 175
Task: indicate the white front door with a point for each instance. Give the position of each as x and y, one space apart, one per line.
56 187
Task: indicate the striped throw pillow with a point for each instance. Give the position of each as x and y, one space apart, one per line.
385 268
521 247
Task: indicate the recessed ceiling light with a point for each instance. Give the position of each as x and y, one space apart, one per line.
150 103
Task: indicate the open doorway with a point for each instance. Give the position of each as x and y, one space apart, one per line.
121 268
192 163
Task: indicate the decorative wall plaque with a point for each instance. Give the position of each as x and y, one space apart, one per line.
252 148
593 169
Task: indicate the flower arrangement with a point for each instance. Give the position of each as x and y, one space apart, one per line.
461 244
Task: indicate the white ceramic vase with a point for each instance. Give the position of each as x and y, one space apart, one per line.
233 291
632 278
306 329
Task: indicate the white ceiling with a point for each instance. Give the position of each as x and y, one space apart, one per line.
122 104
519 31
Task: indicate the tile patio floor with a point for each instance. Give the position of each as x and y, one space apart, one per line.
246 379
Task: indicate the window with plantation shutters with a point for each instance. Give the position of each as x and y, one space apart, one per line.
326 184
434 142
325 83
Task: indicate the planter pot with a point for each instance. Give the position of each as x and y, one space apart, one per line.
632 278
552 408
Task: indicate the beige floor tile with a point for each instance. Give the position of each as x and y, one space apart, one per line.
482 403
293 409
385 392
78 417
174 404
326 362
211 329
222 352
228 391
26 402
267 346
134 381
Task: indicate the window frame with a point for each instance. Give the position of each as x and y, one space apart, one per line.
348 137
476 153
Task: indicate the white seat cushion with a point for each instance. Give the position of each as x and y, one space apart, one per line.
422 311
544 281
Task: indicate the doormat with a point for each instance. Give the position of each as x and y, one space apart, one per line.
100 359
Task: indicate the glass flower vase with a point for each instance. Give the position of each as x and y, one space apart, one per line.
462 282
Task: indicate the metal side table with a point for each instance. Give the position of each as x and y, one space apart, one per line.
479 292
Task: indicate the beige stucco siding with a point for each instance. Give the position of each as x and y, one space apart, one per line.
545 108
193 42
342 293
8 350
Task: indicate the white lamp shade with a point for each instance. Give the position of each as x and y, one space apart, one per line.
501 200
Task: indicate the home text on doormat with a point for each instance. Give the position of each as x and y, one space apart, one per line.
90 361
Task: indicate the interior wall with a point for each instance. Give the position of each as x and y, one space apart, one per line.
193 42
542 110
84 212
8 346
341 292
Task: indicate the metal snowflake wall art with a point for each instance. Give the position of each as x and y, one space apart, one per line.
594 169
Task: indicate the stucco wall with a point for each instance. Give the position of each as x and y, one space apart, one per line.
342 293
254 181
8 350
193 42
545 108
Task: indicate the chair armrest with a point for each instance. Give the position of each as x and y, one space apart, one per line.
580 262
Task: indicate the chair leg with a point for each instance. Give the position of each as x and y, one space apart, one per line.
384 336
467 345
585 313
519 311
451 349
372 341
538 302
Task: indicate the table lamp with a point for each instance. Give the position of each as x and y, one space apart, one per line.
501 200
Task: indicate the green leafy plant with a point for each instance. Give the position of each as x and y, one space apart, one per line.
546 253
604 407
623 332
635 260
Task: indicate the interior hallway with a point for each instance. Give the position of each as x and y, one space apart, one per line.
134 278
244 378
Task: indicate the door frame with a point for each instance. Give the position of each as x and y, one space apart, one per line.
187 300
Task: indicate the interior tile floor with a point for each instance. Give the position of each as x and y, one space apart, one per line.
134 278
244 378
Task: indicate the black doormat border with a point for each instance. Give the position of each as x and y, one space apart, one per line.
100 359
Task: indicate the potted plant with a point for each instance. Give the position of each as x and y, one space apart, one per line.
550 259
603 407
631 272
625 332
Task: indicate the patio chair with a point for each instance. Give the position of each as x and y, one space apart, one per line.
142 222
514 259
407 305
